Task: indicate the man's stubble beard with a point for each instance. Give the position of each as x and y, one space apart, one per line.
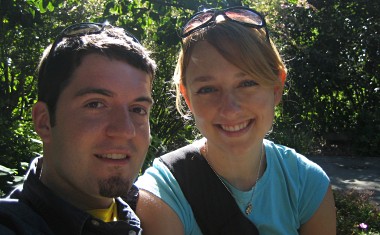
114 187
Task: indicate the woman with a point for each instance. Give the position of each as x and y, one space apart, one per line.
231 77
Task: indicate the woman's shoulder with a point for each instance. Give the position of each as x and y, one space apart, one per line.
289 159
160 181
280 150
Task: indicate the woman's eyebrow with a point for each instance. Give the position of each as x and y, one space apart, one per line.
201 79
206 78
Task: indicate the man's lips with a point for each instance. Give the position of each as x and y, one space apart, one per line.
235 127
112 156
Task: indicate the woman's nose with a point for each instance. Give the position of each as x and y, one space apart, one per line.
229 105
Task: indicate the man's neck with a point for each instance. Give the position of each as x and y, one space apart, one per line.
76 197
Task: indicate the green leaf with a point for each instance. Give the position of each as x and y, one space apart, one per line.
6 171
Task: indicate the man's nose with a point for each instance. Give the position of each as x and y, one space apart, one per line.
121 124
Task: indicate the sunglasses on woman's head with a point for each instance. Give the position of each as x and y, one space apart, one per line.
241 15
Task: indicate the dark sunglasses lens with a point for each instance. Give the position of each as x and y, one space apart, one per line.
83 29
245 16
197 21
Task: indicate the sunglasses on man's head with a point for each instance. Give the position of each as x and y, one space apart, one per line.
241 15
81 29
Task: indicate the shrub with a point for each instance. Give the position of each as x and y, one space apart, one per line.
355 213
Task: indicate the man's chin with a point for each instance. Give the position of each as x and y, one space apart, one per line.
114 187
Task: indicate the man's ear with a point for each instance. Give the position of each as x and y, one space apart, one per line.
183 91
41 120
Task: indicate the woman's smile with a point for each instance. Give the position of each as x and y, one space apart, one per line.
235 127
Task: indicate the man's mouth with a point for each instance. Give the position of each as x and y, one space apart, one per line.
113 156
235 128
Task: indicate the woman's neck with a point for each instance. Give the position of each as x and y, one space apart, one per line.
241 169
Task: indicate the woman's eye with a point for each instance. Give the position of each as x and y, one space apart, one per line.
95 105
139 110
248 83
205 90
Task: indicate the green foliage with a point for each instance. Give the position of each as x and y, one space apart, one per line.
354 208
10 178
331 49
286 132
19 55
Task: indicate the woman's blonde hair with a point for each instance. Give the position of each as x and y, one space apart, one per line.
245 47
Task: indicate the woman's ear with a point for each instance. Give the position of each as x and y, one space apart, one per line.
41 120
183 91
278 94
282 75
279 88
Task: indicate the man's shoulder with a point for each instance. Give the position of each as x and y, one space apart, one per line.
18 218
10 205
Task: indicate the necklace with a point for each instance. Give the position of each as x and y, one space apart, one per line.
248 206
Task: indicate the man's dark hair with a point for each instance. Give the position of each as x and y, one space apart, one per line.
55 70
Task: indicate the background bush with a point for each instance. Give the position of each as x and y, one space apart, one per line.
330 102
354 208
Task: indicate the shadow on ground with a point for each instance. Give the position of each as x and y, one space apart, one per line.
359 173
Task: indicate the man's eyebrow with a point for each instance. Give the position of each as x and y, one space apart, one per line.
146 99
91 90
105 92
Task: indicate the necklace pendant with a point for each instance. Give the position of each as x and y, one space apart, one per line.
248 209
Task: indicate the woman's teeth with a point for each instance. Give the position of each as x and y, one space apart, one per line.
237 127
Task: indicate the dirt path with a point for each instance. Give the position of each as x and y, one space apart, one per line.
353 173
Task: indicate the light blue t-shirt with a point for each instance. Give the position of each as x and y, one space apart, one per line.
286 196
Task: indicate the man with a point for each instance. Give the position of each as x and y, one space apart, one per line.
92 114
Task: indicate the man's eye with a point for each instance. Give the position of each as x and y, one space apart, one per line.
95 105
205 90
139 110
248 83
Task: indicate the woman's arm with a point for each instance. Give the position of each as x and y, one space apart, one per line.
324 219
157 218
